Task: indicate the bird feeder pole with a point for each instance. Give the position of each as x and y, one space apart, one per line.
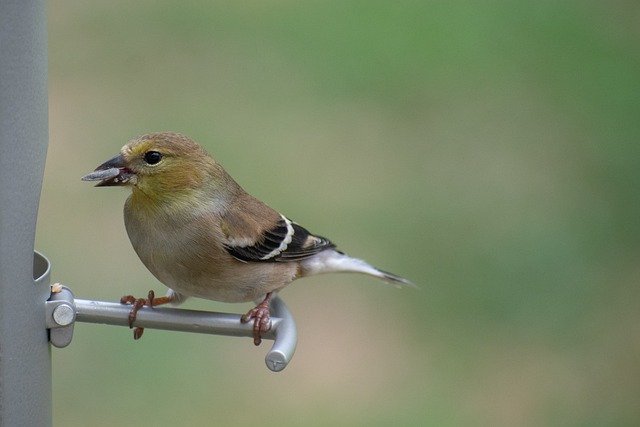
25 358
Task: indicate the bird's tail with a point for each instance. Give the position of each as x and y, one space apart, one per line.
332 261
394 280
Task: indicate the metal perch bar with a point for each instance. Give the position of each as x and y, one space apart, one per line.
283 328
64 309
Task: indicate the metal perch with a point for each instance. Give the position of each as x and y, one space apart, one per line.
63 310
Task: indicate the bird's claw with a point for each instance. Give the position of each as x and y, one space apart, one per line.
261 319
261 322
136 305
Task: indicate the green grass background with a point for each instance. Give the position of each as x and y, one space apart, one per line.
488 151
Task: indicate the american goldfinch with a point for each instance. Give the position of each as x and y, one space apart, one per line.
202 235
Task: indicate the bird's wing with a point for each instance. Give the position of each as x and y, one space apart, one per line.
285 241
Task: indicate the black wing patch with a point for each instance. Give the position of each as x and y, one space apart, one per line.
286 242
303 245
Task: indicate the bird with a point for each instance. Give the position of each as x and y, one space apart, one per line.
202 235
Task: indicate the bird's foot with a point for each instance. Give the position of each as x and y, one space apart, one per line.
137 304
261 319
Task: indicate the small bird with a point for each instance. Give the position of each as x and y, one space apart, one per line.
200 234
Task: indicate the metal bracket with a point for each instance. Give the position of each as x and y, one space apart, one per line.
63 310
60 313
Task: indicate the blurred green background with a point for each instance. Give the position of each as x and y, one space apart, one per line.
487 151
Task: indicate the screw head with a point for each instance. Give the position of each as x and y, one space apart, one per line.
63 315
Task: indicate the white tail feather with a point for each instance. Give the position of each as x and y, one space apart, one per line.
332 261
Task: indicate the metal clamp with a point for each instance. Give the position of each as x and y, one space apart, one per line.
60 314
63 310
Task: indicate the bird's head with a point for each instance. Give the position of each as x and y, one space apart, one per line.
159 165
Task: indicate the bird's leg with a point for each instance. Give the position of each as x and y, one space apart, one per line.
138 303
262 318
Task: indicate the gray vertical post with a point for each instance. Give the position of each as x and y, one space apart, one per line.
25 360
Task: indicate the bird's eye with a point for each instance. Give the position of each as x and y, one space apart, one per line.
152 157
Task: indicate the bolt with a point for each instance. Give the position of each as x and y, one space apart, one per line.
276 361
63 315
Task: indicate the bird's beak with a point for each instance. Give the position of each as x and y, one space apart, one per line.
110 173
